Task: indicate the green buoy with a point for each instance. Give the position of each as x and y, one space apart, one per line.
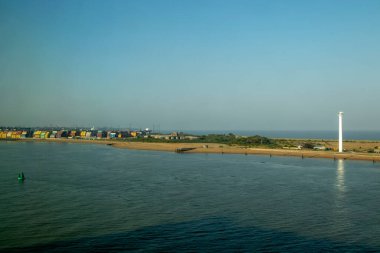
21 177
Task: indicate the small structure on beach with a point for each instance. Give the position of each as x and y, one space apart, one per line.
181 150
319 147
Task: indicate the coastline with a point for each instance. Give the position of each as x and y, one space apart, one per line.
215 148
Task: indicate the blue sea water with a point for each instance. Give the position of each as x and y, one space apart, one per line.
95 198
327 135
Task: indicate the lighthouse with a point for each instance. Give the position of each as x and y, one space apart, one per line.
340 115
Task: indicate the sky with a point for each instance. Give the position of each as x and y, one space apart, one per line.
190 64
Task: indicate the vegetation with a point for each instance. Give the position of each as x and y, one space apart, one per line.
309 145
232 139
228 139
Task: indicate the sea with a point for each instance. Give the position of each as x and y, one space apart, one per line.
373 135
97 198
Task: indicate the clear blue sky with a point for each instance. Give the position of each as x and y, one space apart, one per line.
212 65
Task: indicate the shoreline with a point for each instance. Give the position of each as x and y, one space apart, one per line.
215 148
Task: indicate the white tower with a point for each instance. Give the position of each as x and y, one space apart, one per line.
340 114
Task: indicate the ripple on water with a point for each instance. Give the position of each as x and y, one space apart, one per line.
90 197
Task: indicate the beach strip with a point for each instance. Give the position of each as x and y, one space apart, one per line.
215 148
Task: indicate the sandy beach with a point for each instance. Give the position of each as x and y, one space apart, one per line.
226 149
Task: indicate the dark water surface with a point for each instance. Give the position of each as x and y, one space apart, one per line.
97 198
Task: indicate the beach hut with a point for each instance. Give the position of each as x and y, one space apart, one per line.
64 134
16 134
24 134
124 134
53 134
72 134
94 134
37 134
3 135
83 134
